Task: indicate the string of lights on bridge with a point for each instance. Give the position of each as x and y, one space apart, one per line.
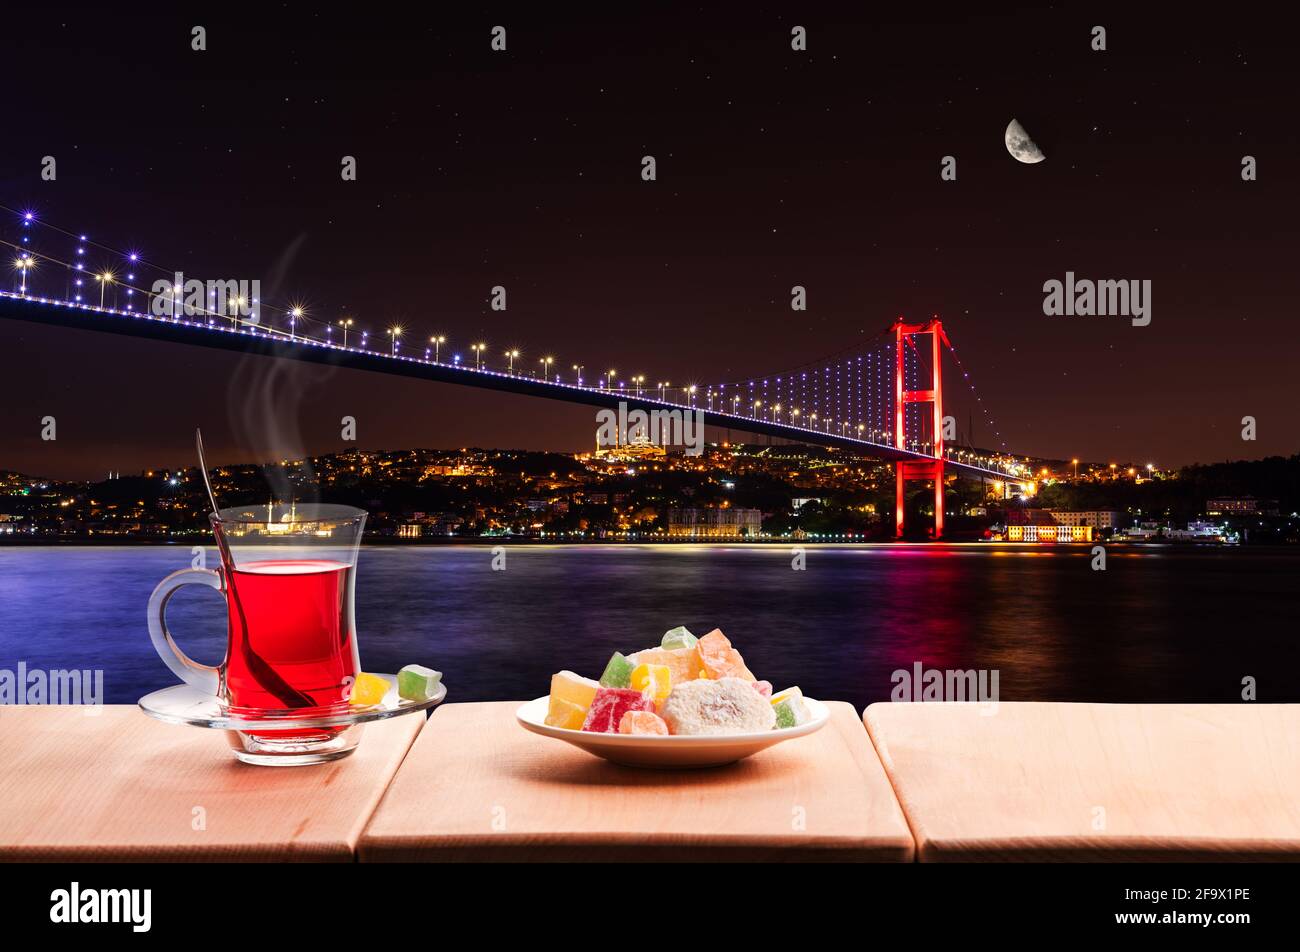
849 395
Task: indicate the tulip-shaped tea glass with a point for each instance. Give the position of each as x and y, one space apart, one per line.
287 574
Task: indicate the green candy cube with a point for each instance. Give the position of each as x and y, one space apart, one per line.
785 716
790 709
415 682
678 637
618 673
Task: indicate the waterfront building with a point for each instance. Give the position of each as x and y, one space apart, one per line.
1241 506
1095 518
717 523
1040 533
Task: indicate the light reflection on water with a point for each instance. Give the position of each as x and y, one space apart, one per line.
1161 624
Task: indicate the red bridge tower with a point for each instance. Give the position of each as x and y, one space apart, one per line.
919 469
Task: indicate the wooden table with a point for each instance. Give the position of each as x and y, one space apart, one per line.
1095 781
112 784
477 786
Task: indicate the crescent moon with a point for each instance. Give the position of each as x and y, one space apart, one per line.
1020 146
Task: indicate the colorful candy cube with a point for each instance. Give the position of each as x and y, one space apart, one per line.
678 637
618 673
684 663
566 714
369 689
655 680
609 706
571 697
415 682
720 660
642 722
763 687
573 688
791 711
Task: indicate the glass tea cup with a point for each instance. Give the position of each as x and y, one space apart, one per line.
288 576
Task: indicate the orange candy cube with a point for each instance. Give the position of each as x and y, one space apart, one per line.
642 722
719 659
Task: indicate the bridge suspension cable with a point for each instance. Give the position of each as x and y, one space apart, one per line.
851 397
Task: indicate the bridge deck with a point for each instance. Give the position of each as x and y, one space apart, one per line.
201 333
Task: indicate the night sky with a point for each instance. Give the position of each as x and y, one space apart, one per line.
775 168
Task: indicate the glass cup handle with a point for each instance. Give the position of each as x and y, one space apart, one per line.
202 676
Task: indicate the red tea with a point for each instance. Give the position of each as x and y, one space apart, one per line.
291 640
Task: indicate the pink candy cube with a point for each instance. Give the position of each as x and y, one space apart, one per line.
609 706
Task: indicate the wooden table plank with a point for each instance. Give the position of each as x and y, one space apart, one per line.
112 784
477 786
1042 781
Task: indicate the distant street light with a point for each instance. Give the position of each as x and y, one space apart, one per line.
510 357
293 320
24 264
104 280
394 332
437 342
546 366
345 323
577 373
478 355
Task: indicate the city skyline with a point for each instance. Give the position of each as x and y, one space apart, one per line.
639 492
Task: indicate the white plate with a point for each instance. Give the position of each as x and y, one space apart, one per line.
641 750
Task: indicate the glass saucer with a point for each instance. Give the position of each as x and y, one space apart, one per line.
281 737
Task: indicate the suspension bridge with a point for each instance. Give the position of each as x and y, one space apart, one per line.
882 399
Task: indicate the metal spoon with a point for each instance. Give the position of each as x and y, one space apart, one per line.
203 468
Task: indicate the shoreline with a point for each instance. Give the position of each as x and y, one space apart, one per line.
784 543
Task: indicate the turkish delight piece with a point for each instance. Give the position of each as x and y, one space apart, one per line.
719 660
618 673
369 689
571 696
609 706
642 722
415 682
566 714
684 663
725 706
573 688
790 709
678 637
652 679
